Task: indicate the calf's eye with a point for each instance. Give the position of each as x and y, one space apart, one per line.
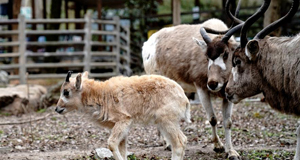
66 92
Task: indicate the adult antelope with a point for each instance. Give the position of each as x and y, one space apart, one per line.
171 52
269 65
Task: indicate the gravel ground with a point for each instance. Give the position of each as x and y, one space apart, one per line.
258 132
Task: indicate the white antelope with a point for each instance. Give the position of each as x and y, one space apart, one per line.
172 52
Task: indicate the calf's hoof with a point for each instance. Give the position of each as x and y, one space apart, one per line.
168 148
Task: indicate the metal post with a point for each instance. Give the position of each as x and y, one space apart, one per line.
116 49
87 41
22 49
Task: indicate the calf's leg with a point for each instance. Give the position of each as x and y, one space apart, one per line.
175 137
123 148
118 133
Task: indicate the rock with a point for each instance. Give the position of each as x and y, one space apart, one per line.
191 128
286 141
20 147
104 153
14 100
4 80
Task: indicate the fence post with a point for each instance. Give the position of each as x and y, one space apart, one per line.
128 47
22 49
87 41
116 49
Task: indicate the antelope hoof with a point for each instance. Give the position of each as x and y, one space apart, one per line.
219 149
233 155
234 158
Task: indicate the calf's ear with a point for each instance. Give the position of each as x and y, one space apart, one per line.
252 48
85 74
78 81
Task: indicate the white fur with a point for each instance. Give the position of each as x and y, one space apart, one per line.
248 54
219 62
151 67
169 29
234 74
149 54
200 43
64 99
220 85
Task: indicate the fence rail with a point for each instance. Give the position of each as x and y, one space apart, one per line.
102 58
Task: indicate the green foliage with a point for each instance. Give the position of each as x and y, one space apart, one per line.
41 110
258 115
5 114
267 154
132 157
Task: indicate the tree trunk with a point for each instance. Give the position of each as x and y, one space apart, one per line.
55 12
274 13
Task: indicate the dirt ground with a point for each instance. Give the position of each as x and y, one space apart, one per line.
258 132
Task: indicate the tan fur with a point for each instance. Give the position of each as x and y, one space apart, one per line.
179 57
173 52
120 102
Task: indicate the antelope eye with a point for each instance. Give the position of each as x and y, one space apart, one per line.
237 61
65 92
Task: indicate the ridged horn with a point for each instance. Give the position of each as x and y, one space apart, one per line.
271 27
251 20
205 36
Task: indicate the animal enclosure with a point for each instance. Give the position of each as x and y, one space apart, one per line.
90 47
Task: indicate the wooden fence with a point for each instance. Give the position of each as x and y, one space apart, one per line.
27 50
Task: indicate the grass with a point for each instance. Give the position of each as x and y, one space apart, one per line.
267 154
41 110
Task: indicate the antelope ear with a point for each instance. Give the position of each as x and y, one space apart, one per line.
85 75
252 48
200 43
233 45
78 82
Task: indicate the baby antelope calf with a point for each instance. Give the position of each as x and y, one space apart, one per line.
120 102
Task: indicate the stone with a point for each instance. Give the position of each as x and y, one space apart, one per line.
104 153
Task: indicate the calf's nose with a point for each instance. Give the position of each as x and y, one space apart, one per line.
59 110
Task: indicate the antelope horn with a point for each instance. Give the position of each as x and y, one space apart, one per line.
237 10
271 27
251 20
228 33
205 36
227 36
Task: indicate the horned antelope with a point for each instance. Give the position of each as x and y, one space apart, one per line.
268 65
120 102
173 53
